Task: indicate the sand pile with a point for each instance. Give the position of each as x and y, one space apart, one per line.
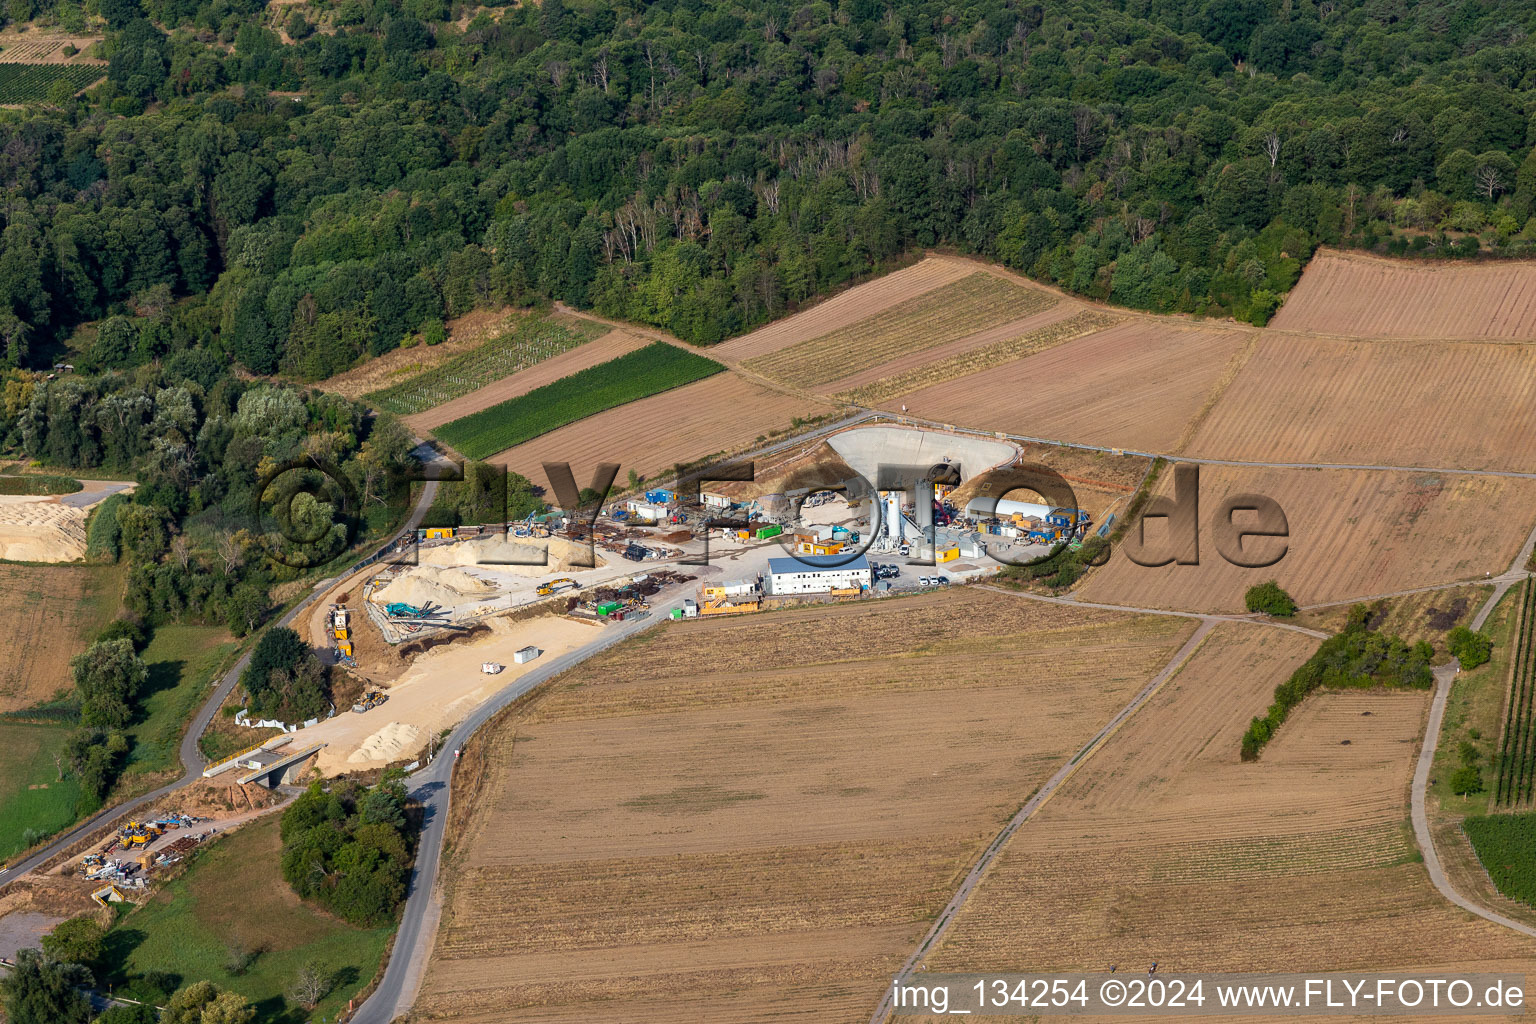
40 529
434 585
390 743
498 552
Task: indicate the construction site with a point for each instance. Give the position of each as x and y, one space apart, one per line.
464 611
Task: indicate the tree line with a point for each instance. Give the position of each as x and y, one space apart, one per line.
703 166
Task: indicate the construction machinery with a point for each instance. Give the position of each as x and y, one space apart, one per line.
371 700
136 834
401 610
341 622
553 586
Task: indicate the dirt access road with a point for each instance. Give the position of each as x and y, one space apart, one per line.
191 756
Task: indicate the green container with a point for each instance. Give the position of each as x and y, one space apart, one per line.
765 532
677 613
609 607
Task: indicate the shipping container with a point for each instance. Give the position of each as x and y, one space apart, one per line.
772 530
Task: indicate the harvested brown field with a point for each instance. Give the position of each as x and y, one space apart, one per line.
1001 345
768 809
1353 534
1136 386
600 350
1461 406
1166 847
847 308
51 614
1371 297
724 413
923 322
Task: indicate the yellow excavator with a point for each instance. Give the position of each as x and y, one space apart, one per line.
545 589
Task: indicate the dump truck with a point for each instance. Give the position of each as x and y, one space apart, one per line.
552 586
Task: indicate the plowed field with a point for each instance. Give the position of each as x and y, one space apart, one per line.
1370 297
924 322
722 414
1137 386
1460 406
753 818
848 308
1166 847
1352 534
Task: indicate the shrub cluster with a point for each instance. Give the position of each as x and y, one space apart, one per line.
1357 657
39 483
349 849
1470 648
1271 599
1063 566
284 680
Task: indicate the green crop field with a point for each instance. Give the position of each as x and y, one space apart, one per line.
657 367
182 661
28 83
1506 844
532 341
1516 764
233 901
34 802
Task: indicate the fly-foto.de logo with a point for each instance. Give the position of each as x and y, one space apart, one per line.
1249 530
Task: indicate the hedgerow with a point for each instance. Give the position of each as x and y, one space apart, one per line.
1355 658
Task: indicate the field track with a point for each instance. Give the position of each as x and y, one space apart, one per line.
1370 297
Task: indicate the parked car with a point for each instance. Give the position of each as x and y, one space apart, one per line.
926 581
942 581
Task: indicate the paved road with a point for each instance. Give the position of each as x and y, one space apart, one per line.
93 491
1044 793
191 756
432 787
1445 678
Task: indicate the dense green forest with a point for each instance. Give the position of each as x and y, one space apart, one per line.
286 192
703 166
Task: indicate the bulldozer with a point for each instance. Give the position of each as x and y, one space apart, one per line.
545 589
371 700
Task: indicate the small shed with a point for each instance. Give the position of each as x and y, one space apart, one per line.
525 655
